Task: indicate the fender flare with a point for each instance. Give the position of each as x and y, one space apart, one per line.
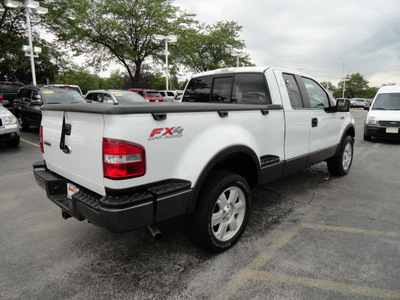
223 155
349 130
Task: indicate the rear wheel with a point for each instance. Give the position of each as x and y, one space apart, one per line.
222 212
340 164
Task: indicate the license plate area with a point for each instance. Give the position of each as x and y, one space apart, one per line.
392 130
71 190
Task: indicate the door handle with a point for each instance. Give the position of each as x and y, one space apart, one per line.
314 122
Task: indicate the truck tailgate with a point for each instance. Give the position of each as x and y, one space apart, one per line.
83 163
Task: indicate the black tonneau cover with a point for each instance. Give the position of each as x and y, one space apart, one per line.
170 107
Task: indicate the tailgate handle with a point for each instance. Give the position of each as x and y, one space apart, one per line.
65 130
159 116
223 114
314 122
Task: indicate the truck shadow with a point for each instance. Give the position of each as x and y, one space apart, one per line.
137 264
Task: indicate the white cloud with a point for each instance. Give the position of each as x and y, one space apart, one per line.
315 35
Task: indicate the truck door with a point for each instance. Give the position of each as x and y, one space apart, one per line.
298 122
325 125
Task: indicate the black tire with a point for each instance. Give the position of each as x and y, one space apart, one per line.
22 124
367 137
230 221
13 143
340 164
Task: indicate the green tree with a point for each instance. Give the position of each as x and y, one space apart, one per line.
121 30
112 82
206 47
14 65
328 85
81 77
370 92
355 87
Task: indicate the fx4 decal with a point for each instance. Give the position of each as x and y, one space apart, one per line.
166 133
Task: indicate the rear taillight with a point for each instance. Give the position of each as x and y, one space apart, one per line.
122 159
41 139
1 99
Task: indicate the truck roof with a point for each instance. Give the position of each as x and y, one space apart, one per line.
233 70
389 89
261 69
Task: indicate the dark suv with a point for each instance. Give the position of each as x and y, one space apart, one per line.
8 91
30 99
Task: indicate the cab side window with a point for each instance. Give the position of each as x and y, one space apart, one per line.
89 96
107 99
28 95
221 89
21 93
293 91
318 97
250 89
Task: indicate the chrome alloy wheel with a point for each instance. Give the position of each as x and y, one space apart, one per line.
228 214
347 156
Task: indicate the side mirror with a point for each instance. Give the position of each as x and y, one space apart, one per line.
342 105
37 102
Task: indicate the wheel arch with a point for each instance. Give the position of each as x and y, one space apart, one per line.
349 130
238 159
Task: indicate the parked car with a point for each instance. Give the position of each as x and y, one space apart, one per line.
30 99
8 91
113 97
167 95
66 86
357 102
383 118
149 95
367 103
178 96
9 131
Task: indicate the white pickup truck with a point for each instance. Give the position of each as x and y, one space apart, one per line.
128 166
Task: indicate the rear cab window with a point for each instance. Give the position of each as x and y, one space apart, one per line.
244 88
10 88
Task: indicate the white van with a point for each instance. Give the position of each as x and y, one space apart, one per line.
383 118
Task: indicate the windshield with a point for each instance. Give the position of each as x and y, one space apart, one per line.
61 96
10 88
128 98
389 101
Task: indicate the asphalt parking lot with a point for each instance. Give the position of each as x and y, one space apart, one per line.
310 236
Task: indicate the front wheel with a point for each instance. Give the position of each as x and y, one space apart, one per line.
340 164
222 212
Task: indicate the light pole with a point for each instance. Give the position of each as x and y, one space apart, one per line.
344 86
28 5
168 39
238 55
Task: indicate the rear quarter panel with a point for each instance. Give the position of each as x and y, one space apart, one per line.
202 136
